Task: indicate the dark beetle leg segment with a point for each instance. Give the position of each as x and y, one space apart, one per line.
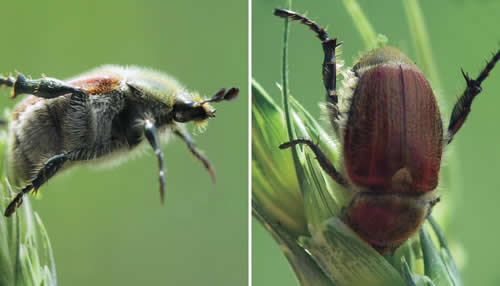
184 135
329 63
462 107
284 13
152 135
49 169
43 87
325 164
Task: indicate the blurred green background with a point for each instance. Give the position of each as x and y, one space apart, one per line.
463 34
106 225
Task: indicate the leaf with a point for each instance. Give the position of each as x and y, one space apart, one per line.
274 180
25 253
434 266
305 268
347 259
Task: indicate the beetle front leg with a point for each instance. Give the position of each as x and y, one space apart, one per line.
323 161
329 67
44 87
463 105
184 135
151 134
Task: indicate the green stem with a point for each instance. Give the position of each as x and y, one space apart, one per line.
421 41
365 29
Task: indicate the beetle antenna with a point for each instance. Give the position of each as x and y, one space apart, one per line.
221 95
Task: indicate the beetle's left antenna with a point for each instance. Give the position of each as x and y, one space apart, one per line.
151 134
221 95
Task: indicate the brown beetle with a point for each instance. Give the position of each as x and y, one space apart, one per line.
393 139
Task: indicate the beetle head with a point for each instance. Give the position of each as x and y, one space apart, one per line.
201 110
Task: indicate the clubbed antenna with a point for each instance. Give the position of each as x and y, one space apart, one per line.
221 95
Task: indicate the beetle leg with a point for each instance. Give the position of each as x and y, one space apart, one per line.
329 69
49 169
151 134
44 87
184 135
463 105
285 13
323 161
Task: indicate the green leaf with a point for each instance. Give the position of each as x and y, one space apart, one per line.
305 268
434 266
421 41
446 253
347 259
274 179
365 28
25 252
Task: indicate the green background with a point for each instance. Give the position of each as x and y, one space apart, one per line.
106 225
462 34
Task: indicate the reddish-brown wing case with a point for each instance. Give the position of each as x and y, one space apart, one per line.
394 134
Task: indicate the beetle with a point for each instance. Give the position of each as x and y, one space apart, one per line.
389 123
98 115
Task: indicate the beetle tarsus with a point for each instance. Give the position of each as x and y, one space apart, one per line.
7 81
284 13
17 201
184 135
49 169
329 68
463 106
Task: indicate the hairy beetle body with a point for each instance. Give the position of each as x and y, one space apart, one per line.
389 122
107 111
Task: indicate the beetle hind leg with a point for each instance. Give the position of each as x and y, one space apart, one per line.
49 169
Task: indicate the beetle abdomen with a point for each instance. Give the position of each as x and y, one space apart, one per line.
36 134
393 137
